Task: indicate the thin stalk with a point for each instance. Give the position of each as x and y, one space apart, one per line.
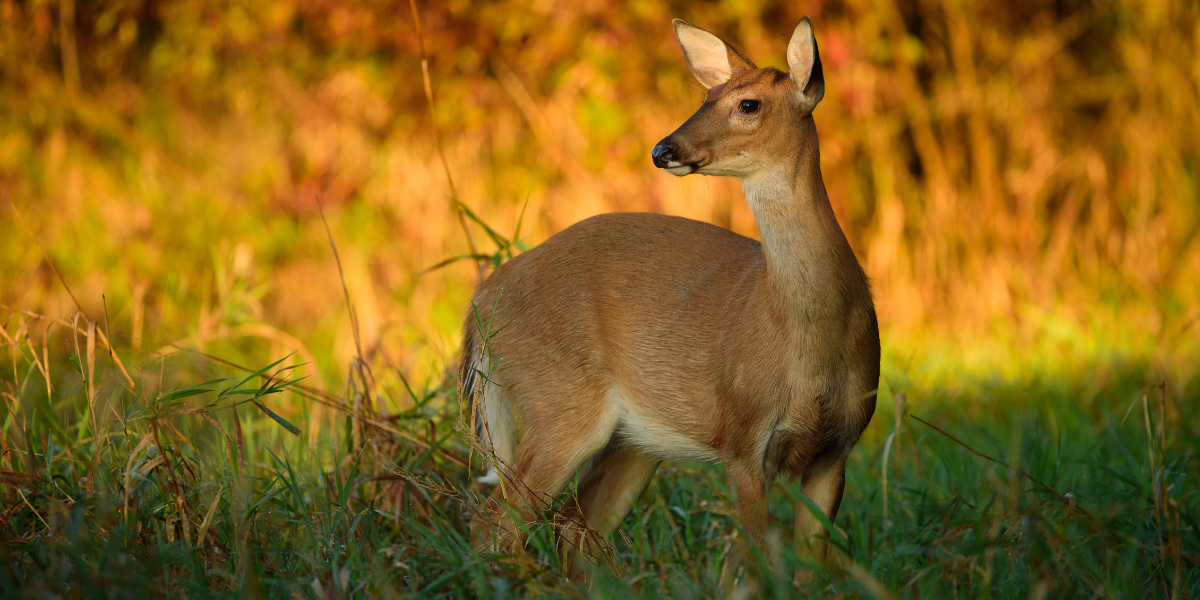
437 140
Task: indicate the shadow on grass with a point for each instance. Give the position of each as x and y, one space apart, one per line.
994 489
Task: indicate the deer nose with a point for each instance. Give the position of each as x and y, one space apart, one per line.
662 154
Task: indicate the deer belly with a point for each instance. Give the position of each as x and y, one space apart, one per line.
656 434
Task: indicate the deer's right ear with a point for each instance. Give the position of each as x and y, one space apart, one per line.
804 63
709 58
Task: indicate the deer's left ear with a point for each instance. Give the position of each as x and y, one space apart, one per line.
804 62
709 58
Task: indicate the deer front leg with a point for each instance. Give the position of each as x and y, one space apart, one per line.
823 482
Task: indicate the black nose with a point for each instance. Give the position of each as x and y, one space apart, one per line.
662 154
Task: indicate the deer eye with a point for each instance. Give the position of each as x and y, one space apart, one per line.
749 107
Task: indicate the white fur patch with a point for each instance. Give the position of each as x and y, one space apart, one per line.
497 427
655 437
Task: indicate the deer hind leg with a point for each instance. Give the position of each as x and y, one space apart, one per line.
606 494
751 480
748 479
823 482
554 445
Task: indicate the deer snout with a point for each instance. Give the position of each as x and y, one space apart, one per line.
663 154
675 160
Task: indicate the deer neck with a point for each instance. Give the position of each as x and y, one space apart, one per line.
810 266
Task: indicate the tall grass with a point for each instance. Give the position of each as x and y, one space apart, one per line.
183 481
172 473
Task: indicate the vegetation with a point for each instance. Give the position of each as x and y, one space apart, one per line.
194 487
1020 181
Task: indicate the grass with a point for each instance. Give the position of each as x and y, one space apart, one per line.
193 489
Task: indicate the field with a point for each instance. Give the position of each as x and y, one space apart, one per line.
237 241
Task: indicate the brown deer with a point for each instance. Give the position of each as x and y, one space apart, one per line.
632 338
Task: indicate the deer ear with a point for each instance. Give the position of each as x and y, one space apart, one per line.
709 58
804 62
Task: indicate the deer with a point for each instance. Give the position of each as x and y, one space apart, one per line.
628 339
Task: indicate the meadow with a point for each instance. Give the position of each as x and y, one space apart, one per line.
237 241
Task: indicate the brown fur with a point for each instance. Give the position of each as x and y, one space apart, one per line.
634 338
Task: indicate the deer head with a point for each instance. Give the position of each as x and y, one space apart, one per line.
752 119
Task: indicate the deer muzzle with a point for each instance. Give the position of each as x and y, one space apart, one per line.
669 155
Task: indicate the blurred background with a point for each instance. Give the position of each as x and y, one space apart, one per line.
1019 179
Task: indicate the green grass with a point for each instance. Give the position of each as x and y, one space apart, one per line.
1095 499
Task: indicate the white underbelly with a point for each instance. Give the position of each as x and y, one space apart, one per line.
654 436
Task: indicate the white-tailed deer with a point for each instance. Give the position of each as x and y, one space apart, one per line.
632 338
